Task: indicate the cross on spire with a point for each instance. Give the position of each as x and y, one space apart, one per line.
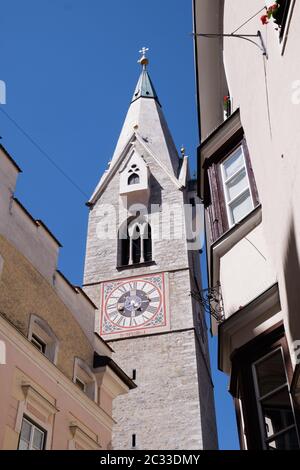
144 50
143 60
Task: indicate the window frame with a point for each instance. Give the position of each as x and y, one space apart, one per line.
39 328
33 425
214 201
84 373
284 24
133 178
38 343
283 32
260 398
230 221
135 251
243 385
80 382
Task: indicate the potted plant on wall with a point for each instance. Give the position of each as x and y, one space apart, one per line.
276 11
227 106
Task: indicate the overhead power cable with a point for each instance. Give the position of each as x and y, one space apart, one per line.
44 153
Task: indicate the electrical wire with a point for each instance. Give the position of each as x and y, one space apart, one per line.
44 153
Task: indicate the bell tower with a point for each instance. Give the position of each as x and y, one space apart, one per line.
140 270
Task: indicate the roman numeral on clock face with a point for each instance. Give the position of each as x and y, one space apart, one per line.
111 306
154 299
133 285
151 309
120 321
151 291
113 316
133 322
122 289
146 317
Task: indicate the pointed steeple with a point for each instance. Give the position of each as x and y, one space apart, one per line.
144 87
145 115
146 121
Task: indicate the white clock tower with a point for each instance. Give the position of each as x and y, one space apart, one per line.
140 269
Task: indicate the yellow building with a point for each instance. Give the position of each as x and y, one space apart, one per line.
58 378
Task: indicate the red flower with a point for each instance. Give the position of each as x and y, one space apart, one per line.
226 98
264 19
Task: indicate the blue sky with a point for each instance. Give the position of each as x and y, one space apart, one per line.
70 68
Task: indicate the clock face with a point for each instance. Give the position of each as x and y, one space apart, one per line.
133 304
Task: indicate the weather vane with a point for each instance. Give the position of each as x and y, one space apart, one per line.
143 60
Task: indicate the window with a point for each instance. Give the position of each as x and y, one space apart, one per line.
135 242
42 337
32 437
236 185
276 412
260 379
147 243
85 379
134 176
229 188
80 384
135 245
133 179
38 343
281 15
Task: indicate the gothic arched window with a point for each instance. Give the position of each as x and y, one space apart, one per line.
133 179
124 244
135 240
135 244
147 242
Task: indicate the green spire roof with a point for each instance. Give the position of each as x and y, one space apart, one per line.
144 87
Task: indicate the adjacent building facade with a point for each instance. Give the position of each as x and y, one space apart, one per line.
140 273
248 86
58 379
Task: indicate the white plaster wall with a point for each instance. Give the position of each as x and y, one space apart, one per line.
263 89
246 271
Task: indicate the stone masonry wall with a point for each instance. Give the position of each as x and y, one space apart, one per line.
164 410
